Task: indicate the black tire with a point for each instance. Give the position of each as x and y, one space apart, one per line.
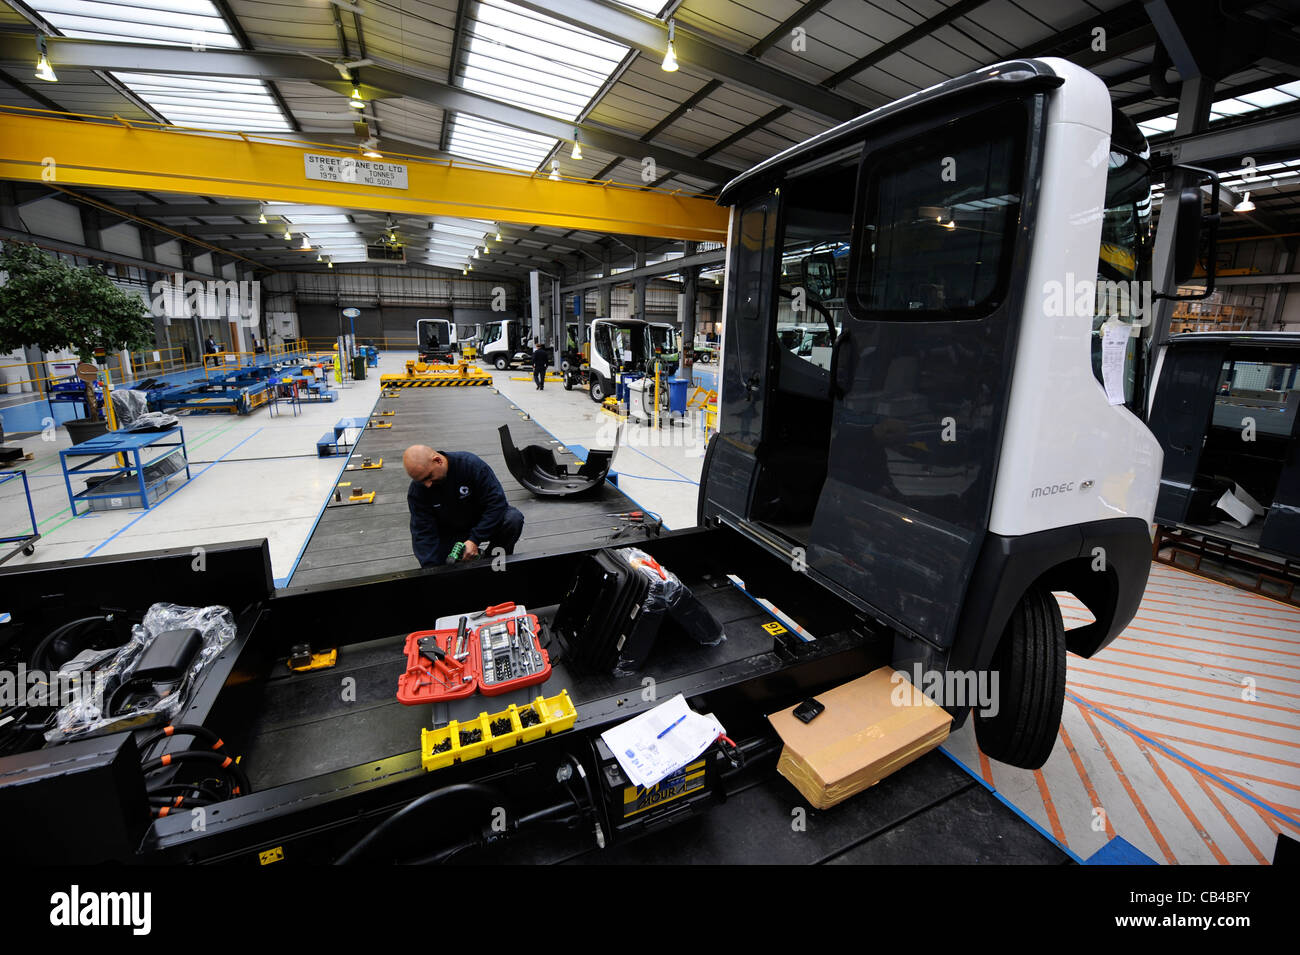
597 389
29 550
1030 663
568 382
564 365
501 363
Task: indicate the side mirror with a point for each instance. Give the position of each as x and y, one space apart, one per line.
1193 223
1187 240
817 275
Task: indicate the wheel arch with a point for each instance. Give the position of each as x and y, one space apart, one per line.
1105 564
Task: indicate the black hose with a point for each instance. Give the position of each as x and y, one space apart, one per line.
182 789
184 729
223 763
491 793
170 801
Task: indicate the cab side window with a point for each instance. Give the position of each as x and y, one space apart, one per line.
938 222
816 218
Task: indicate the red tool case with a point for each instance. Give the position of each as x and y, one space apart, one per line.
504 638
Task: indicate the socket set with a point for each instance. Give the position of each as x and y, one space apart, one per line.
510 652
500 654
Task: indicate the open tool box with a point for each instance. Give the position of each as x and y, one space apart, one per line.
496 653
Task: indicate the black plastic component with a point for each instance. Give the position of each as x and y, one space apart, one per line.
168 657
300 655
535 467
601 617
809 710
76 804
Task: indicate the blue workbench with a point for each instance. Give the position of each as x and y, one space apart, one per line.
124 480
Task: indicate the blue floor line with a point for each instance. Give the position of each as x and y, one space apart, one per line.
661 464
282 582
1014 808
1194 767
642 477
139 517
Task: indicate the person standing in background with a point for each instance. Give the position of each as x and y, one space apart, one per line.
541 359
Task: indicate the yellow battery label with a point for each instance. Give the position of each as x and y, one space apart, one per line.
686 780
774 628
271 855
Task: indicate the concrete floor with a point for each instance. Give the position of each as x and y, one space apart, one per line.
251 476
1158 745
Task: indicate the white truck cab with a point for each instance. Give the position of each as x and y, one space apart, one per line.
950 453
502 345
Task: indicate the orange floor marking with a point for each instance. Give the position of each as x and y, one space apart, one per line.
1085 779
1180 689
1076 661
1191 706
1128 788
1230 819
1182 804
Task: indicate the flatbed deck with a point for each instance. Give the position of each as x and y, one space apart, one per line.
368 539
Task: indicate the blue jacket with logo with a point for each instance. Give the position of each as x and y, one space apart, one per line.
467 504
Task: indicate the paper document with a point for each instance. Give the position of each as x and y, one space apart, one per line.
1114 346
656 743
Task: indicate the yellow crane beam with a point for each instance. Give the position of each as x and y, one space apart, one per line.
122 155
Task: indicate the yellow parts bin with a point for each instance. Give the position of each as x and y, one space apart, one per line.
459 741
871 727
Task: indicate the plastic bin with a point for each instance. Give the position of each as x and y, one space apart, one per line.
677 395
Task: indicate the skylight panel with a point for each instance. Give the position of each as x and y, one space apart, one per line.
202 102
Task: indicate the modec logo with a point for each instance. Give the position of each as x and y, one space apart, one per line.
76 908
1049 489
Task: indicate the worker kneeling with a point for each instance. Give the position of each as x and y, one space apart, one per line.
454 498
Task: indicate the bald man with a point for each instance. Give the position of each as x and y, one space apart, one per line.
455 498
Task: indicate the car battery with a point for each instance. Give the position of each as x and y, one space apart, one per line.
632 810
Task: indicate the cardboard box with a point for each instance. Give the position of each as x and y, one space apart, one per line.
871 727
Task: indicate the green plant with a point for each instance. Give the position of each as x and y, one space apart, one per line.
50 304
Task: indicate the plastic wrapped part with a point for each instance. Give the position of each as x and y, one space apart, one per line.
150 421
129 405
666 597
115 700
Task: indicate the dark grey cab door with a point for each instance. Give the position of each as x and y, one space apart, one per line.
1180 418
921 370
746 347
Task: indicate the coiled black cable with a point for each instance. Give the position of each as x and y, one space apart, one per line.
184 789
202 733
223 763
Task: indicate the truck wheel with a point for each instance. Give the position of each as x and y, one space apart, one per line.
502 364
597 389
1030 664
